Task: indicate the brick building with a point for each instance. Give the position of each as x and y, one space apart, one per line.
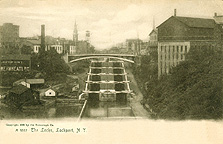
15 63
177 35
9 36
219 30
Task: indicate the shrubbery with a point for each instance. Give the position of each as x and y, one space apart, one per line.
193 89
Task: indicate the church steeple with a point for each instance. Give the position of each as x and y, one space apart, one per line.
75 33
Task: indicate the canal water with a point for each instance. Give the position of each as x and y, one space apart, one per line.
54 111
113 103
107 110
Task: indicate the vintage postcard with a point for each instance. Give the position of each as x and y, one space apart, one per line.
111 71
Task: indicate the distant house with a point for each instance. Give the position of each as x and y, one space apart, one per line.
50 92
58 48
30 83
72 49
34 44
20 94
134 45
61 45
153 41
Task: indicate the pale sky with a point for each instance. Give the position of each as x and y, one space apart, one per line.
109 21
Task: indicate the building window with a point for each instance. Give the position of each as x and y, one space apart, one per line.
185 49
181 48
173 49
161 48
177 48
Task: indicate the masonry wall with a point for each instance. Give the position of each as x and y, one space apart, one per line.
170 54
175 39
174 30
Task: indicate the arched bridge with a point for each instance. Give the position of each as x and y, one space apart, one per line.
78 57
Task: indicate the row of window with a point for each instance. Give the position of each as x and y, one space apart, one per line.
168 57
58 49
72 49
175 48
165 68
168 64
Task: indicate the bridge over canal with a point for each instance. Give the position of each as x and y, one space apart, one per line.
70 58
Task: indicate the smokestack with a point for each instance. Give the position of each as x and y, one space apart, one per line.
42 49
88 34
215 14
175 12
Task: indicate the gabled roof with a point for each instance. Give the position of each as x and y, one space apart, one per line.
35 81
197 22
34 41
218 19
18 82
30 81
50 89
19 89
153 31
194 22
133 40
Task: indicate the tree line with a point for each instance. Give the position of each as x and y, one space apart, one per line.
192 90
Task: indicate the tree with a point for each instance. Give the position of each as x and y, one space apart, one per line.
193 89
26 49
50 62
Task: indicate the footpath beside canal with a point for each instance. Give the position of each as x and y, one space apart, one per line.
137 107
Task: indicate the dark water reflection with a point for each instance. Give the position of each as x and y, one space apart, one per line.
107 109
52 112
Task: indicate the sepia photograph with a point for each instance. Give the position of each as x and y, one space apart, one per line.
111 71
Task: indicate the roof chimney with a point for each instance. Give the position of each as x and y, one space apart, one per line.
215 14
175 12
